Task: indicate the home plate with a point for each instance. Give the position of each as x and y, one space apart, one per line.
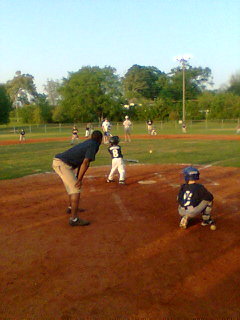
147 181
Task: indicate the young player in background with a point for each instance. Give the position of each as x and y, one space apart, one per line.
151 129
74 134
22 135
106 128
194 199
117 160
149 126
88 130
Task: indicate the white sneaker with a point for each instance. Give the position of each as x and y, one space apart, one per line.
184 222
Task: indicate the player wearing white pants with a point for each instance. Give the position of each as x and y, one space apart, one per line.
117 160
117 165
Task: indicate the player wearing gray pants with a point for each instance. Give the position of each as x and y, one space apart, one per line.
194 199
204 208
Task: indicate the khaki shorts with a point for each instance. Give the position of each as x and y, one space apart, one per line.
127 130
67 174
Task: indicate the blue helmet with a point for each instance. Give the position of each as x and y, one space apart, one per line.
114 140
191 174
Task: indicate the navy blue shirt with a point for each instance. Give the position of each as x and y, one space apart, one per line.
115 151
193 194
74 156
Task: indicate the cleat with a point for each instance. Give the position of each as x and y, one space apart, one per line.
208 222
78 222
109 181
121 182
184 222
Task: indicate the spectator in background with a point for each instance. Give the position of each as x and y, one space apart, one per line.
127 124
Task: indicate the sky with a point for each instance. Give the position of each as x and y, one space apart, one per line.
50 38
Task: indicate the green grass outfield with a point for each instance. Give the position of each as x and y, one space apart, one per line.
25 159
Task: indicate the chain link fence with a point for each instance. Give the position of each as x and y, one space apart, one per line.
139 127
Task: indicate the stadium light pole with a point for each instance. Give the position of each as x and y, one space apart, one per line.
183 61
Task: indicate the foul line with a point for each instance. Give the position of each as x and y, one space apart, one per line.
217 162
121 206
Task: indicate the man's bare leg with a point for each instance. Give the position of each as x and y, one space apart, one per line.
74 200
69 208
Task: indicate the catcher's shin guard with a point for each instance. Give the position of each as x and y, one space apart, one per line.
207 220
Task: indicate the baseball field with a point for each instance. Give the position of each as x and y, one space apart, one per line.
133 261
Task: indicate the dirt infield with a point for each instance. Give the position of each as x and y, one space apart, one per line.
132 262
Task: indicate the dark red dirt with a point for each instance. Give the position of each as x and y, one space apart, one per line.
132 262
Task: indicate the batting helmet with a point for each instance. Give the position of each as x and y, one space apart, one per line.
114 140
191 174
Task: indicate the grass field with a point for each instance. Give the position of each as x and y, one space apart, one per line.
25 159
172 127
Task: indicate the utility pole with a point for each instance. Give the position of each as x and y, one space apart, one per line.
183 61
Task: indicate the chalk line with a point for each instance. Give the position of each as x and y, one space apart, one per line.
121 206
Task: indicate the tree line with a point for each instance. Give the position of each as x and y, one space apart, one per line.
144 92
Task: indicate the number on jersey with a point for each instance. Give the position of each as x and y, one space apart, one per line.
187 198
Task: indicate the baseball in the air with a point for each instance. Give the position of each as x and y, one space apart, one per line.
213 227
150 151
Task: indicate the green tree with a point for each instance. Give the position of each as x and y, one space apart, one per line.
27 113
5 105
223 105
142 81
196 81
40 112
61 114
235 84
164 109
90 94
37 116
51 88
45 108
155 110
21 89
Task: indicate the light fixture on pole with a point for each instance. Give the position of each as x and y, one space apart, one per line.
183 60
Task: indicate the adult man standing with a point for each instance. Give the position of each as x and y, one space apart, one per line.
65 163
127 124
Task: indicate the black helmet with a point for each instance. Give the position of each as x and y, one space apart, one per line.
114 140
